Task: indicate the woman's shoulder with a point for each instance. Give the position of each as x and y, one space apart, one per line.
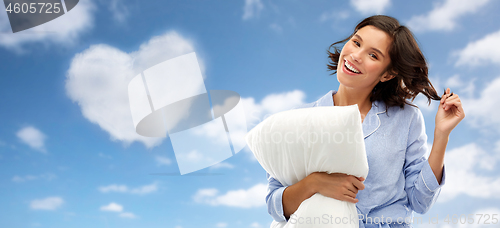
408 112
325 100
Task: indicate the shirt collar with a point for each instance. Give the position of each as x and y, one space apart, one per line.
371 123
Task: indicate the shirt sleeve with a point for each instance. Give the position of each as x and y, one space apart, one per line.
421 187
274 199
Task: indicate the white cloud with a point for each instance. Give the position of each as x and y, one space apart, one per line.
119 10
163 160
142 190
480 52
458 84
238 128
114 207
454 81
113 188
462 165
270 104
205 193
128 215
370 6
242 198
146 189
221 225
252 9
255 225
255 113
481 111
444 16
98 81
209 130
63 30
46 176
49 203
33 137
275 27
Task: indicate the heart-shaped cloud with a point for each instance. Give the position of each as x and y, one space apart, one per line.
98 81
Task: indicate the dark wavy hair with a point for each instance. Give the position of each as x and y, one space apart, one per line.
407 64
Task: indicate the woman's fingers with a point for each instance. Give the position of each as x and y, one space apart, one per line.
452 102
446 95
350 193
341 186
350 199
353 189
443 98
358 184
447 98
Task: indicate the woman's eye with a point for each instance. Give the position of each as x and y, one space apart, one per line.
373 56
357 43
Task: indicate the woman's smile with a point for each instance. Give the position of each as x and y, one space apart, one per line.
350 68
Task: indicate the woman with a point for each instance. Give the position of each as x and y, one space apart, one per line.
379 68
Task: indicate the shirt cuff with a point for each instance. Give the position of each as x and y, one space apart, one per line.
429 178
278 205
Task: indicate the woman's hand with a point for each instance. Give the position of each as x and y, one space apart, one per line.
449 114
337 185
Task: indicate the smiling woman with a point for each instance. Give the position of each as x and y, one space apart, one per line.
380 69
385 40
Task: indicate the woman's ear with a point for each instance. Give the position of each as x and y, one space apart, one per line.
387 76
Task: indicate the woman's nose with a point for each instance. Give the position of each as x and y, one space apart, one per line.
355 58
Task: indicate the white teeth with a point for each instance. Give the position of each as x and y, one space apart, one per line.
350 67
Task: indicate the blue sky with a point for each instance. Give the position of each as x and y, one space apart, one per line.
69 157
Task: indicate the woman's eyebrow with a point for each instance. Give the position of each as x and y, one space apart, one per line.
375 49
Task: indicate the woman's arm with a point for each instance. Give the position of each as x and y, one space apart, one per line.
336 185
421 185
281 205
274 199
436 158
449 114
424 177
295 194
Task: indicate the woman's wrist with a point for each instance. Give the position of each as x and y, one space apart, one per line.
441 135
311 183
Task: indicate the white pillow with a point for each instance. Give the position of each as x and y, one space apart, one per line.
291 145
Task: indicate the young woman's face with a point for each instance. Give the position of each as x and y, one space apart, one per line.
364 59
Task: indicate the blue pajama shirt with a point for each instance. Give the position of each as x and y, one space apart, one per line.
400 179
